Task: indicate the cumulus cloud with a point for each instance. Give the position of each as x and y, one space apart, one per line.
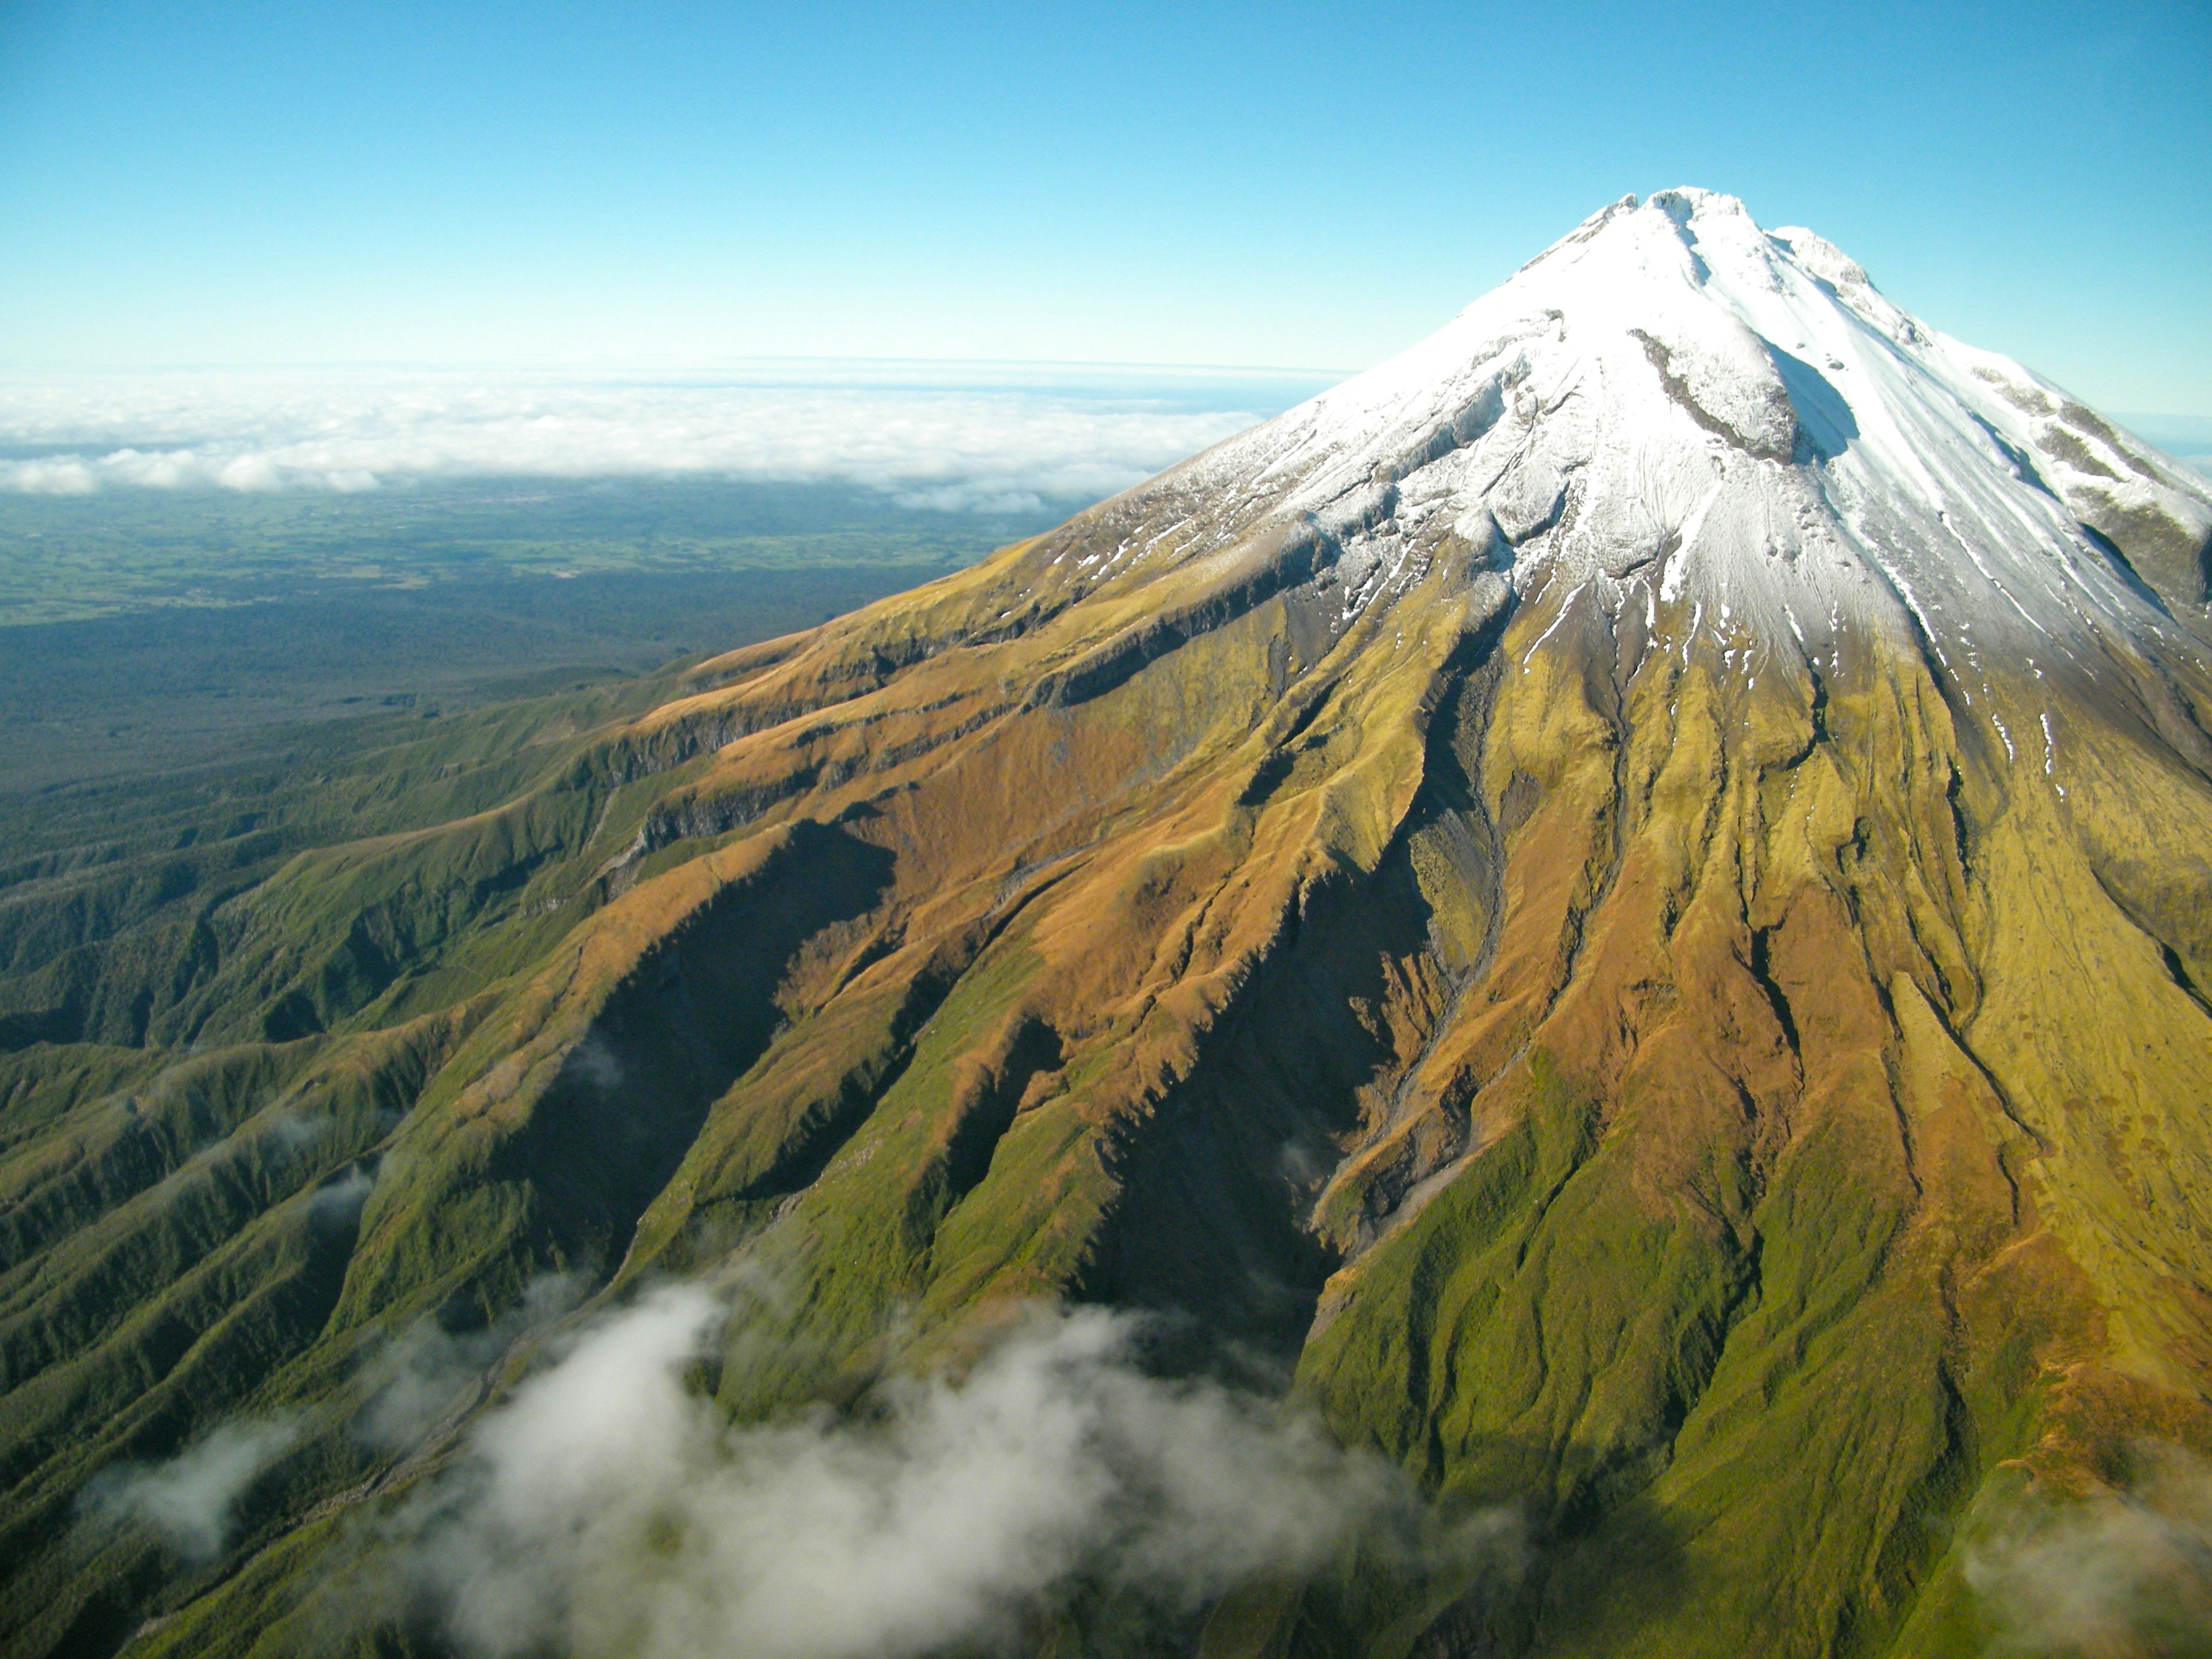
979 447
608 1508
191 1499
2121 1574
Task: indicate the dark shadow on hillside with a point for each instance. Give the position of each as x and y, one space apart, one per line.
1213 1222
1824 420
628 1102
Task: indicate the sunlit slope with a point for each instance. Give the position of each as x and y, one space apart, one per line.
1641 932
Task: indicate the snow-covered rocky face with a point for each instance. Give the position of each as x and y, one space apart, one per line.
1672 406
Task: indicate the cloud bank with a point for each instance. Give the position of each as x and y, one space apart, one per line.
981 446
607 1508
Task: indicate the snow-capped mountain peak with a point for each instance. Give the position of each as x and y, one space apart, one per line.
1671 398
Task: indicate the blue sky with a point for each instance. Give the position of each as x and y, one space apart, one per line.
1302 185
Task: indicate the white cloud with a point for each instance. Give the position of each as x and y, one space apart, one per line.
976 445
609 1509
2122 1573
189 1498
426 1374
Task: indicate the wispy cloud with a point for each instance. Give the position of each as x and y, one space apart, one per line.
426 1373
608 1508
190 1499
2120 1573
989 440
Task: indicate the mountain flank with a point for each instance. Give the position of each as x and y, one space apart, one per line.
1621 905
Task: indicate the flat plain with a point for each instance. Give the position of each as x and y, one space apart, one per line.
149 633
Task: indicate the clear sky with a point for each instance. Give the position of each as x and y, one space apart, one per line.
1311 185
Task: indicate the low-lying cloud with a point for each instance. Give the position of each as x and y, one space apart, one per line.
191 1499
2121 1573
608 1508
959 447
426 1374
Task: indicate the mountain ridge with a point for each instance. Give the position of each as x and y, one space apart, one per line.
1623 899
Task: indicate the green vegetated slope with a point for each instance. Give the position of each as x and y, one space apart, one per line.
1745 1133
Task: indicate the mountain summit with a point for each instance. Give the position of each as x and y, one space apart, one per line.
1742 416
1621 900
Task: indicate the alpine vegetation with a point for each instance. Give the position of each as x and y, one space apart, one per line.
1619 906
